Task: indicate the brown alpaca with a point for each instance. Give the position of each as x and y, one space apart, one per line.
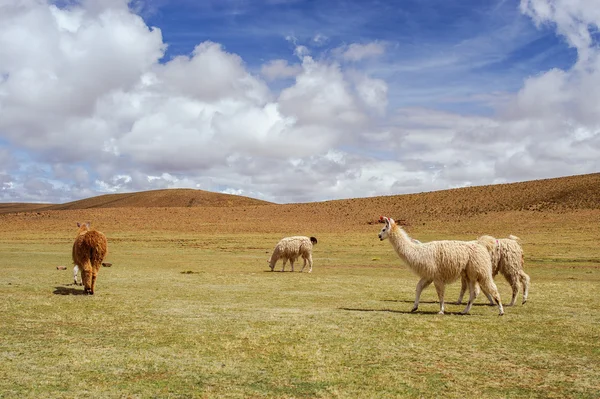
89 249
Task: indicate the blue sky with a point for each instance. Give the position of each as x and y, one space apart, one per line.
436 47
294 100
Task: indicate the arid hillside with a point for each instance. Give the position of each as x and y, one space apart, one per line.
169 198
7 207
551 195
570 201
564 193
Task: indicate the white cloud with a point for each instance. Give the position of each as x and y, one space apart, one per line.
301 51
86 107
137 124
372 92
321 96
356 52
573 19
280 69
320 39
211 75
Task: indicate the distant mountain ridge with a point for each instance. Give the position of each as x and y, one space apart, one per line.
563 193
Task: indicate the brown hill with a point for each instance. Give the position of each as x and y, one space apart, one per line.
554 195
19 207
499 209
168 198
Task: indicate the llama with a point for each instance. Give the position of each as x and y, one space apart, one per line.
507 258
89 249
291 248
443 262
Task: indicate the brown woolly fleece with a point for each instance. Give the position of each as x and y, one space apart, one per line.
89 250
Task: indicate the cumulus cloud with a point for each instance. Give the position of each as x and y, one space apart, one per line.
554 120
372 92
280 69
109 115
575 20
321 96
88 105
210 74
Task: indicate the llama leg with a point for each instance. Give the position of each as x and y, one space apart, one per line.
95 271
292 263
284 262
472 296
75 271
305 262
489 297
86 277
94 275
487 285
514 284
525 283
478 290
421 285
308 260
463 288
440 288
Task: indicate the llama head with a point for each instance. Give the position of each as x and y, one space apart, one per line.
272 261
83 227
385 231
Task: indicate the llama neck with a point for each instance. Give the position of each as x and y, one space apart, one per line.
404 247
82 230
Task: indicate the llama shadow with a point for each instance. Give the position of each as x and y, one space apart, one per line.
68 291
464 303
285 271
404 311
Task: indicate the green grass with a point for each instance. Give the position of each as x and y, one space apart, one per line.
201 317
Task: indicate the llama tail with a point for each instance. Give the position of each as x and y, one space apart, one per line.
514 238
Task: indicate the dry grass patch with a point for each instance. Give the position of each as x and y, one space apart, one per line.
199 315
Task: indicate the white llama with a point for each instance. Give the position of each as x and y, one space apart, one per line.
507 259
443 262
291 248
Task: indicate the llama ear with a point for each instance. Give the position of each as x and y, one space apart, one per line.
88 224
78 224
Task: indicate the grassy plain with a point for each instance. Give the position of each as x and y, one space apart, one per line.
190 310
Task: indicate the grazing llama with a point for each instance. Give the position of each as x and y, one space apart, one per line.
291 248
507 259
443 262
89 249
